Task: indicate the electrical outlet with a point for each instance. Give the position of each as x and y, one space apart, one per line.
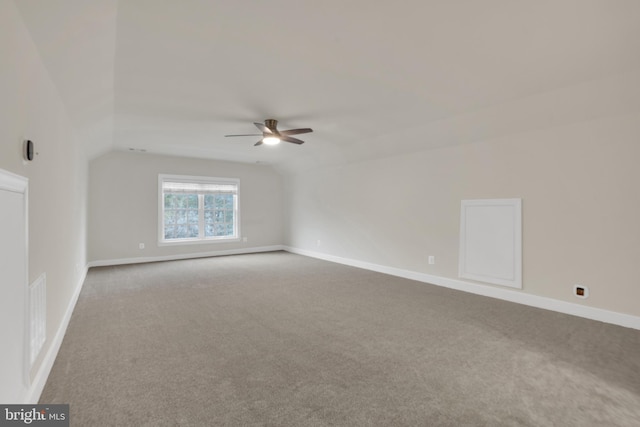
432 260
141 246
581 291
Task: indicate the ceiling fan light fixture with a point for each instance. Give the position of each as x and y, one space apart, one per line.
271 140
271 135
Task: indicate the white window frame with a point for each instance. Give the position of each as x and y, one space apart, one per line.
162 178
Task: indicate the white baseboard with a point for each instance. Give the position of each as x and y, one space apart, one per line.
139 260
40 380
519 297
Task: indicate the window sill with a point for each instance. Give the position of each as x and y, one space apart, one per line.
198 241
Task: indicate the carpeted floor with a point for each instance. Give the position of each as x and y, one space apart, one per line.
278 339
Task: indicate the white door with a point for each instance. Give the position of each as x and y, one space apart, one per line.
13 288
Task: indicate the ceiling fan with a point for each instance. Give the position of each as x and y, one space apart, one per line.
272 136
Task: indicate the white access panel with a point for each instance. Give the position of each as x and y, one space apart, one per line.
491 241
13 288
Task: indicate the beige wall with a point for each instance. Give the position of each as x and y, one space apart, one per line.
30 107
581 207
123 204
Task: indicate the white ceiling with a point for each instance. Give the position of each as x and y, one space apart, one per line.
372 78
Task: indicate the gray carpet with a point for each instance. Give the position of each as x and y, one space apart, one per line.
278 339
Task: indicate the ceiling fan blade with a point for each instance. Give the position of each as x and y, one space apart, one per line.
263 128
248 134
295 131
291 139
257 143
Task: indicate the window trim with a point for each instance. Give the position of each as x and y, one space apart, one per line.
196 179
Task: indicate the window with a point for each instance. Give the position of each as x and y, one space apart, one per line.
196 209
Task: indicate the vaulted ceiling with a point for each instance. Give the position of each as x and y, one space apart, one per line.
372 78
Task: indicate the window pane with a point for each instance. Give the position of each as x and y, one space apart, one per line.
169 217
193 216
219 202
181 232
193 231
169 200
228 216
192 201
208 230
219 216
208 217
181 217
169 233
208 201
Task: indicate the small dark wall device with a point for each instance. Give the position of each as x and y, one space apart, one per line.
29 152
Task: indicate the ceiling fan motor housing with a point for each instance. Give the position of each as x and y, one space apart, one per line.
272 125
